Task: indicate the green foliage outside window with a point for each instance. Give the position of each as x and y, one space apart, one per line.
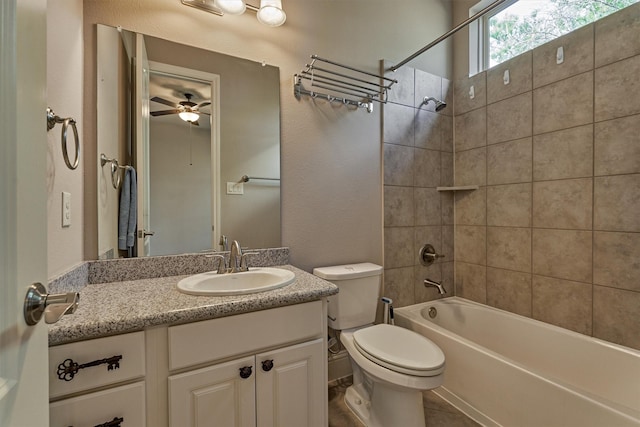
511 35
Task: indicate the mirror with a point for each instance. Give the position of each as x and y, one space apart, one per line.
190 174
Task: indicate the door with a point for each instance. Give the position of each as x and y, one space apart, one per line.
291 386
141 138
23 210
222 394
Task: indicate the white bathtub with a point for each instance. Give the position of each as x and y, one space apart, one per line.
503 369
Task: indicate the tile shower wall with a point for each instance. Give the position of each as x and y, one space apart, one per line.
418 158
553 233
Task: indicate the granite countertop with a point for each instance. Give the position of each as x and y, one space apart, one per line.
132 305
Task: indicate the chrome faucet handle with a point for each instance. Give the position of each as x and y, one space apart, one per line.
244 265
222 263
428 255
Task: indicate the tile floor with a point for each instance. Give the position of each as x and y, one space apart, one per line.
438 413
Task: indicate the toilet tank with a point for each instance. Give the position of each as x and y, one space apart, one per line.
359 291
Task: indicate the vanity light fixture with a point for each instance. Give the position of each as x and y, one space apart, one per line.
269 13
189 116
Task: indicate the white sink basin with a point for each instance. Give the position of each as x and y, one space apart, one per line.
246 282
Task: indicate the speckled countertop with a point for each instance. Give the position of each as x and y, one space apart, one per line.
132 305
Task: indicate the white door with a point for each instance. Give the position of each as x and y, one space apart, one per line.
221 395
23 210
291 387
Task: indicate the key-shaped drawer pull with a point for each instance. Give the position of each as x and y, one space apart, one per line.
68 369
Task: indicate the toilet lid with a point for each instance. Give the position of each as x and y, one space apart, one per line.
400 349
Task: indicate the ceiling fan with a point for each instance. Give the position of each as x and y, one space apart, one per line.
188 110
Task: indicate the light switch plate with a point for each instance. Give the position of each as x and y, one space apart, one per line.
66 209
236 188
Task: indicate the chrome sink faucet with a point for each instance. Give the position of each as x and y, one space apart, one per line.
438 286
235 258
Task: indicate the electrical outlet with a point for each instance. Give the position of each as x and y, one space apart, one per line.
235 188
66 209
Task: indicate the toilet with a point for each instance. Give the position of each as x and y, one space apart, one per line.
391 365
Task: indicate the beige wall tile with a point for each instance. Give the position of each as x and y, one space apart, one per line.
427 207
509 290
471 281
578 57
563 104
520 79
564 254
447 248
447 96
427 85
617 146
427 168
563 303
463 102
398 127
563 154
509 248
427 130
403 91
399 247
446 127
471 167
398 285
470 243
446 169
448 278
398 206
617 203
509 205
617 92
616 260
398 165
471 129
509 162
616 316
617 36
509 119
446 201
471 207
565 203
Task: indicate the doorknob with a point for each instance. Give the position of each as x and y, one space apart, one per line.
38 302
145 233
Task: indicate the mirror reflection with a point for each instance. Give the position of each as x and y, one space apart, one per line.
211 119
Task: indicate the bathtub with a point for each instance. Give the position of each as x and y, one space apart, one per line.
503 369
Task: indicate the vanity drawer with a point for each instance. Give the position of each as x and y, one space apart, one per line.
92 409
202 342
131 364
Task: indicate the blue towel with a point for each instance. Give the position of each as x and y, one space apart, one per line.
128 215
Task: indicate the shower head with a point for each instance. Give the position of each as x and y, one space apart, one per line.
440 105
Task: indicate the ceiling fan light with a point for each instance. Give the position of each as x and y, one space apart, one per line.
231 7
189 116
271 13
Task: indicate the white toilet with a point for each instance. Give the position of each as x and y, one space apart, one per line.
391 365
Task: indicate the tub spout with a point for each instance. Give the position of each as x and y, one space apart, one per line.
438 286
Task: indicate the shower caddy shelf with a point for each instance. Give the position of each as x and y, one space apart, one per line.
342 84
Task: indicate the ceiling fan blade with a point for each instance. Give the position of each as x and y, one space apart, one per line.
164 101
203 112
164 112
195 123
204 104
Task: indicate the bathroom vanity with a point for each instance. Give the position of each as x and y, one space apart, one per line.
141 351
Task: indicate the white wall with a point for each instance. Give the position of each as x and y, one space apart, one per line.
64 95
331 156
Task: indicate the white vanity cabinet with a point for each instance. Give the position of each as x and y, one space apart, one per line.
284 385
86 377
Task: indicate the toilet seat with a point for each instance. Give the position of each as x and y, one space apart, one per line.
400 350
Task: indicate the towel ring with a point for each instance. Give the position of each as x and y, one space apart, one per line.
52 120
116 178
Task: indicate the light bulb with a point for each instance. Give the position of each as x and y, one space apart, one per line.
271 13
231 7
189 116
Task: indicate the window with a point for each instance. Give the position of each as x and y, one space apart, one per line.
521 25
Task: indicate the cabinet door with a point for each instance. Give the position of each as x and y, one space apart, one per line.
214 396
293 391
125 403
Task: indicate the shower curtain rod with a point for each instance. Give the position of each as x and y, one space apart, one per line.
449 33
